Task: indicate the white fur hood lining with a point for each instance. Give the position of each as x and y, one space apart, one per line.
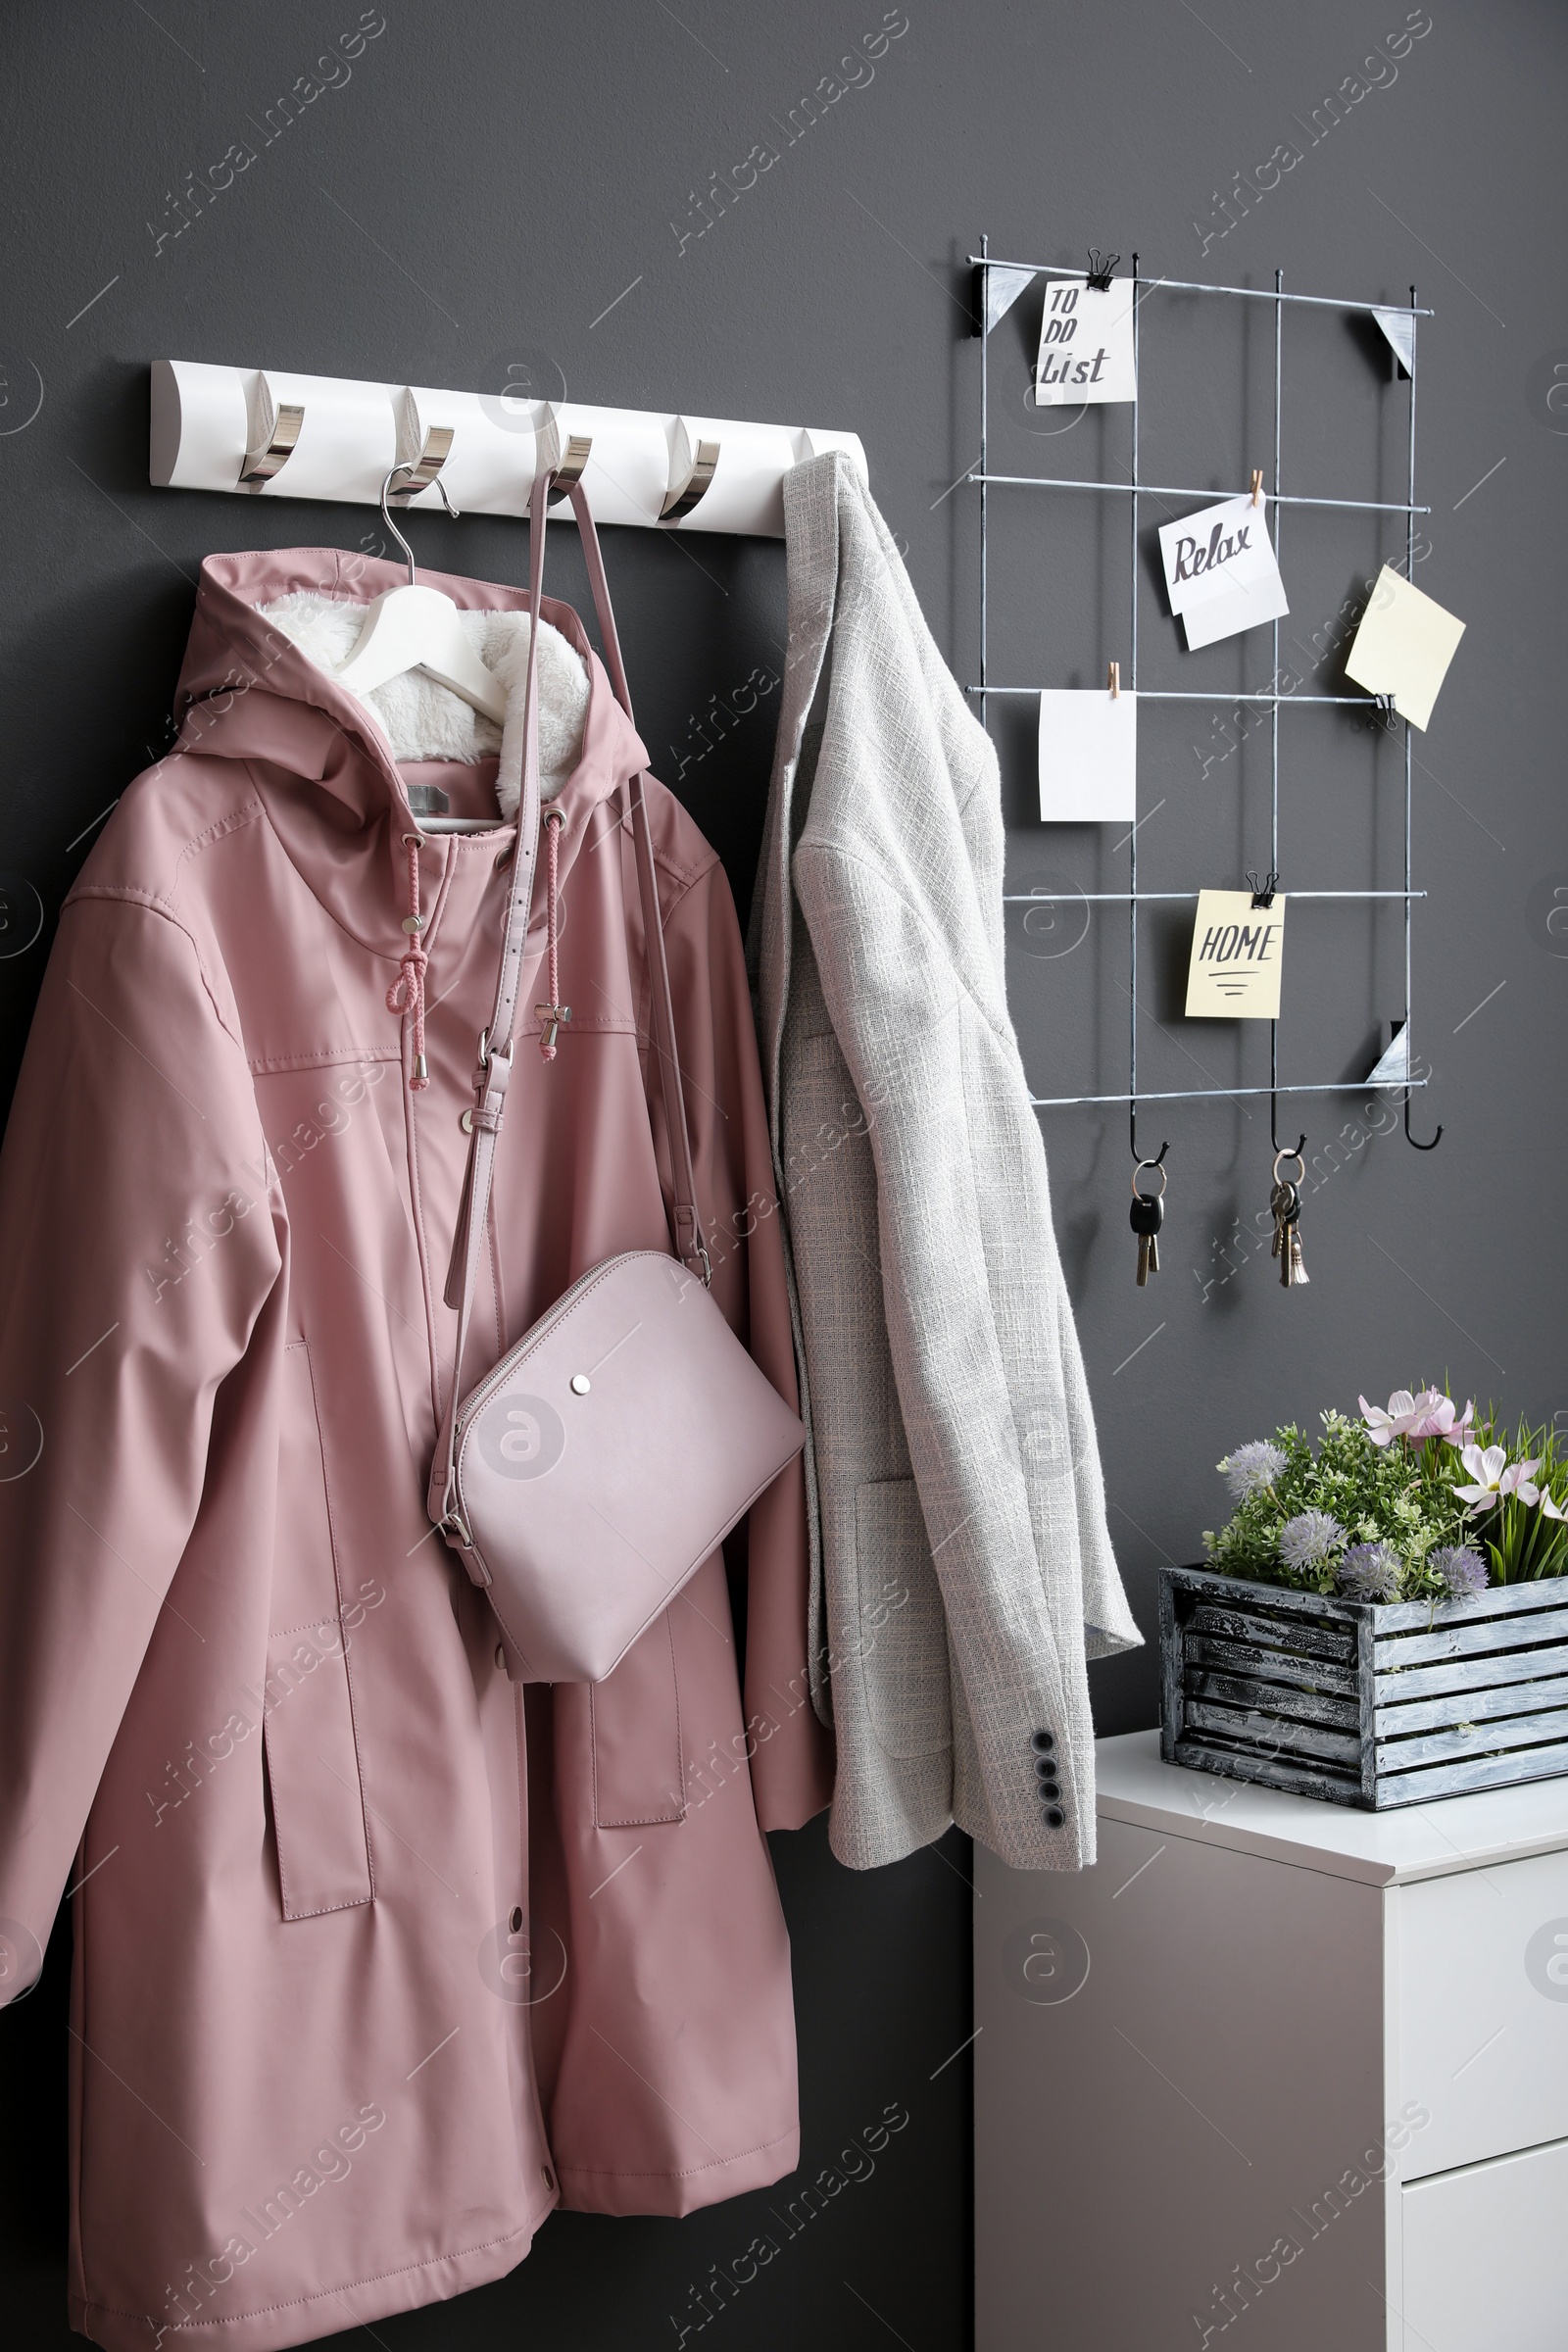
425 720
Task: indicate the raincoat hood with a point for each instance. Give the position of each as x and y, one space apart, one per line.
249 689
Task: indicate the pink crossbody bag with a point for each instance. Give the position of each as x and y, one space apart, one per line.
591 1471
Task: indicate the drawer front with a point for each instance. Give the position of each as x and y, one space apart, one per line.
1485 2257
1483 2010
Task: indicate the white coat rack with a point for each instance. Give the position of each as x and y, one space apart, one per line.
268 434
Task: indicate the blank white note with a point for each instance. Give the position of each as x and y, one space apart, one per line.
1088 756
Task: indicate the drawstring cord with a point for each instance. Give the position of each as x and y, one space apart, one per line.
552 1016
407 992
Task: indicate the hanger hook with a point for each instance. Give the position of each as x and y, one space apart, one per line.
1415 1141
386 512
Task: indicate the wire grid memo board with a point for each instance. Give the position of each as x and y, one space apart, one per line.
1019 274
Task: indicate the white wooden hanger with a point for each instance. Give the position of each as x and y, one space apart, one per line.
419 628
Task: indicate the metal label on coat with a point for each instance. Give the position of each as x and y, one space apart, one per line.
521 1437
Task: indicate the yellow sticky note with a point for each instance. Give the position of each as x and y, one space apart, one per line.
1404 647
1237 950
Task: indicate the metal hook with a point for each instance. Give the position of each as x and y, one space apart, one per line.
386 512
260 464
1297 1149
1158 1159
423 469
1414 1141
568 473
681 502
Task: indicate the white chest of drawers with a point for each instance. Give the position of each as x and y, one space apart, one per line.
1276 2077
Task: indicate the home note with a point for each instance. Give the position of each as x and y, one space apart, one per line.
1237 950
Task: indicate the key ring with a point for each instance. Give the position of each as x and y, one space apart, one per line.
1300 1161
1164 1178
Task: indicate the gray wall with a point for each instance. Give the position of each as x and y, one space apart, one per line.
461 212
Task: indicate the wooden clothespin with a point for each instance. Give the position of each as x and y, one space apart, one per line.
1257 485
1113 680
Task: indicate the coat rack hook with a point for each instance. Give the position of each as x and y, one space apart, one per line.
681 502
568 473
1415 1141
423 470
260 464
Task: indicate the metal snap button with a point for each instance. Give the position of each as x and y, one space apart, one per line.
580 1384
546 2176
514 1923
501 1653
466 1122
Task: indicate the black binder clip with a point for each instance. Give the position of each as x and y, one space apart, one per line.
1099 272
1263 892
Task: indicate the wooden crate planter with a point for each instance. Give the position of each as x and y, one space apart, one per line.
1366 1704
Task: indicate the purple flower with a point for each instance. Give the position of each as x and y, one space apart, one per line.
1252 1469
1308 1539
1462 1570
1369 1572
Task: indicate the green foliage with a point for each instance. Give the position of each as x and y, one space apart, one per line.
1379 1494
1401 1494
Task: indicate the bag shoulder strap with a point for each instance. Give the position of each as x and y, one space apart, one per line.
498 1042
689 1245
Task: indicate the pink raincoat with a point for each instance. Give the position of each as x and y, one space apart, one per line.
378 1956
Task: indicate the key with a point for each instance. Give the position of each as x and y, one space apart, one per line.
1285 1206
1146 1217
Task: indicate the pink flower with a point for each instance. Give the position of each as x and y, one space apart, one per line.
1427 1414
1497 1478
1444 1420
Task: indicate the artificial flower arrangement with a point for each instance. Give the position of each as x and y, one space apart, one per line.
1418 1502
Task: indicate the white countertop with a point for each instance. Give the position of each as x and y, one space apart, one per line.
1415 1842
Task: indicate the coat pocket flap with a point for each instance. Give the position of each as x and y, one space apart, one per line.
313 1762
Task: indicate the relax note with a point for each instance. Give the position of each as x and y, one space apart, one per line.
1220 571
1085 344
1404 647
1087 758
1234 971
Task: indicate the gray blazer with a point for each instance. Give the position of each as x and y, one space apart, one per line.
962 1569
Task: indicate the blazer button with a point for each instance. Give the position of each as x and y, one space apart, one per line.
1043 1743
1050 1789
1055 1817
1045 1766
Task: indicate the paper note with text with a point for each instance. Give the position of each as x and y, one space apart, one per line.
1220 571
1085 344
1237 950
